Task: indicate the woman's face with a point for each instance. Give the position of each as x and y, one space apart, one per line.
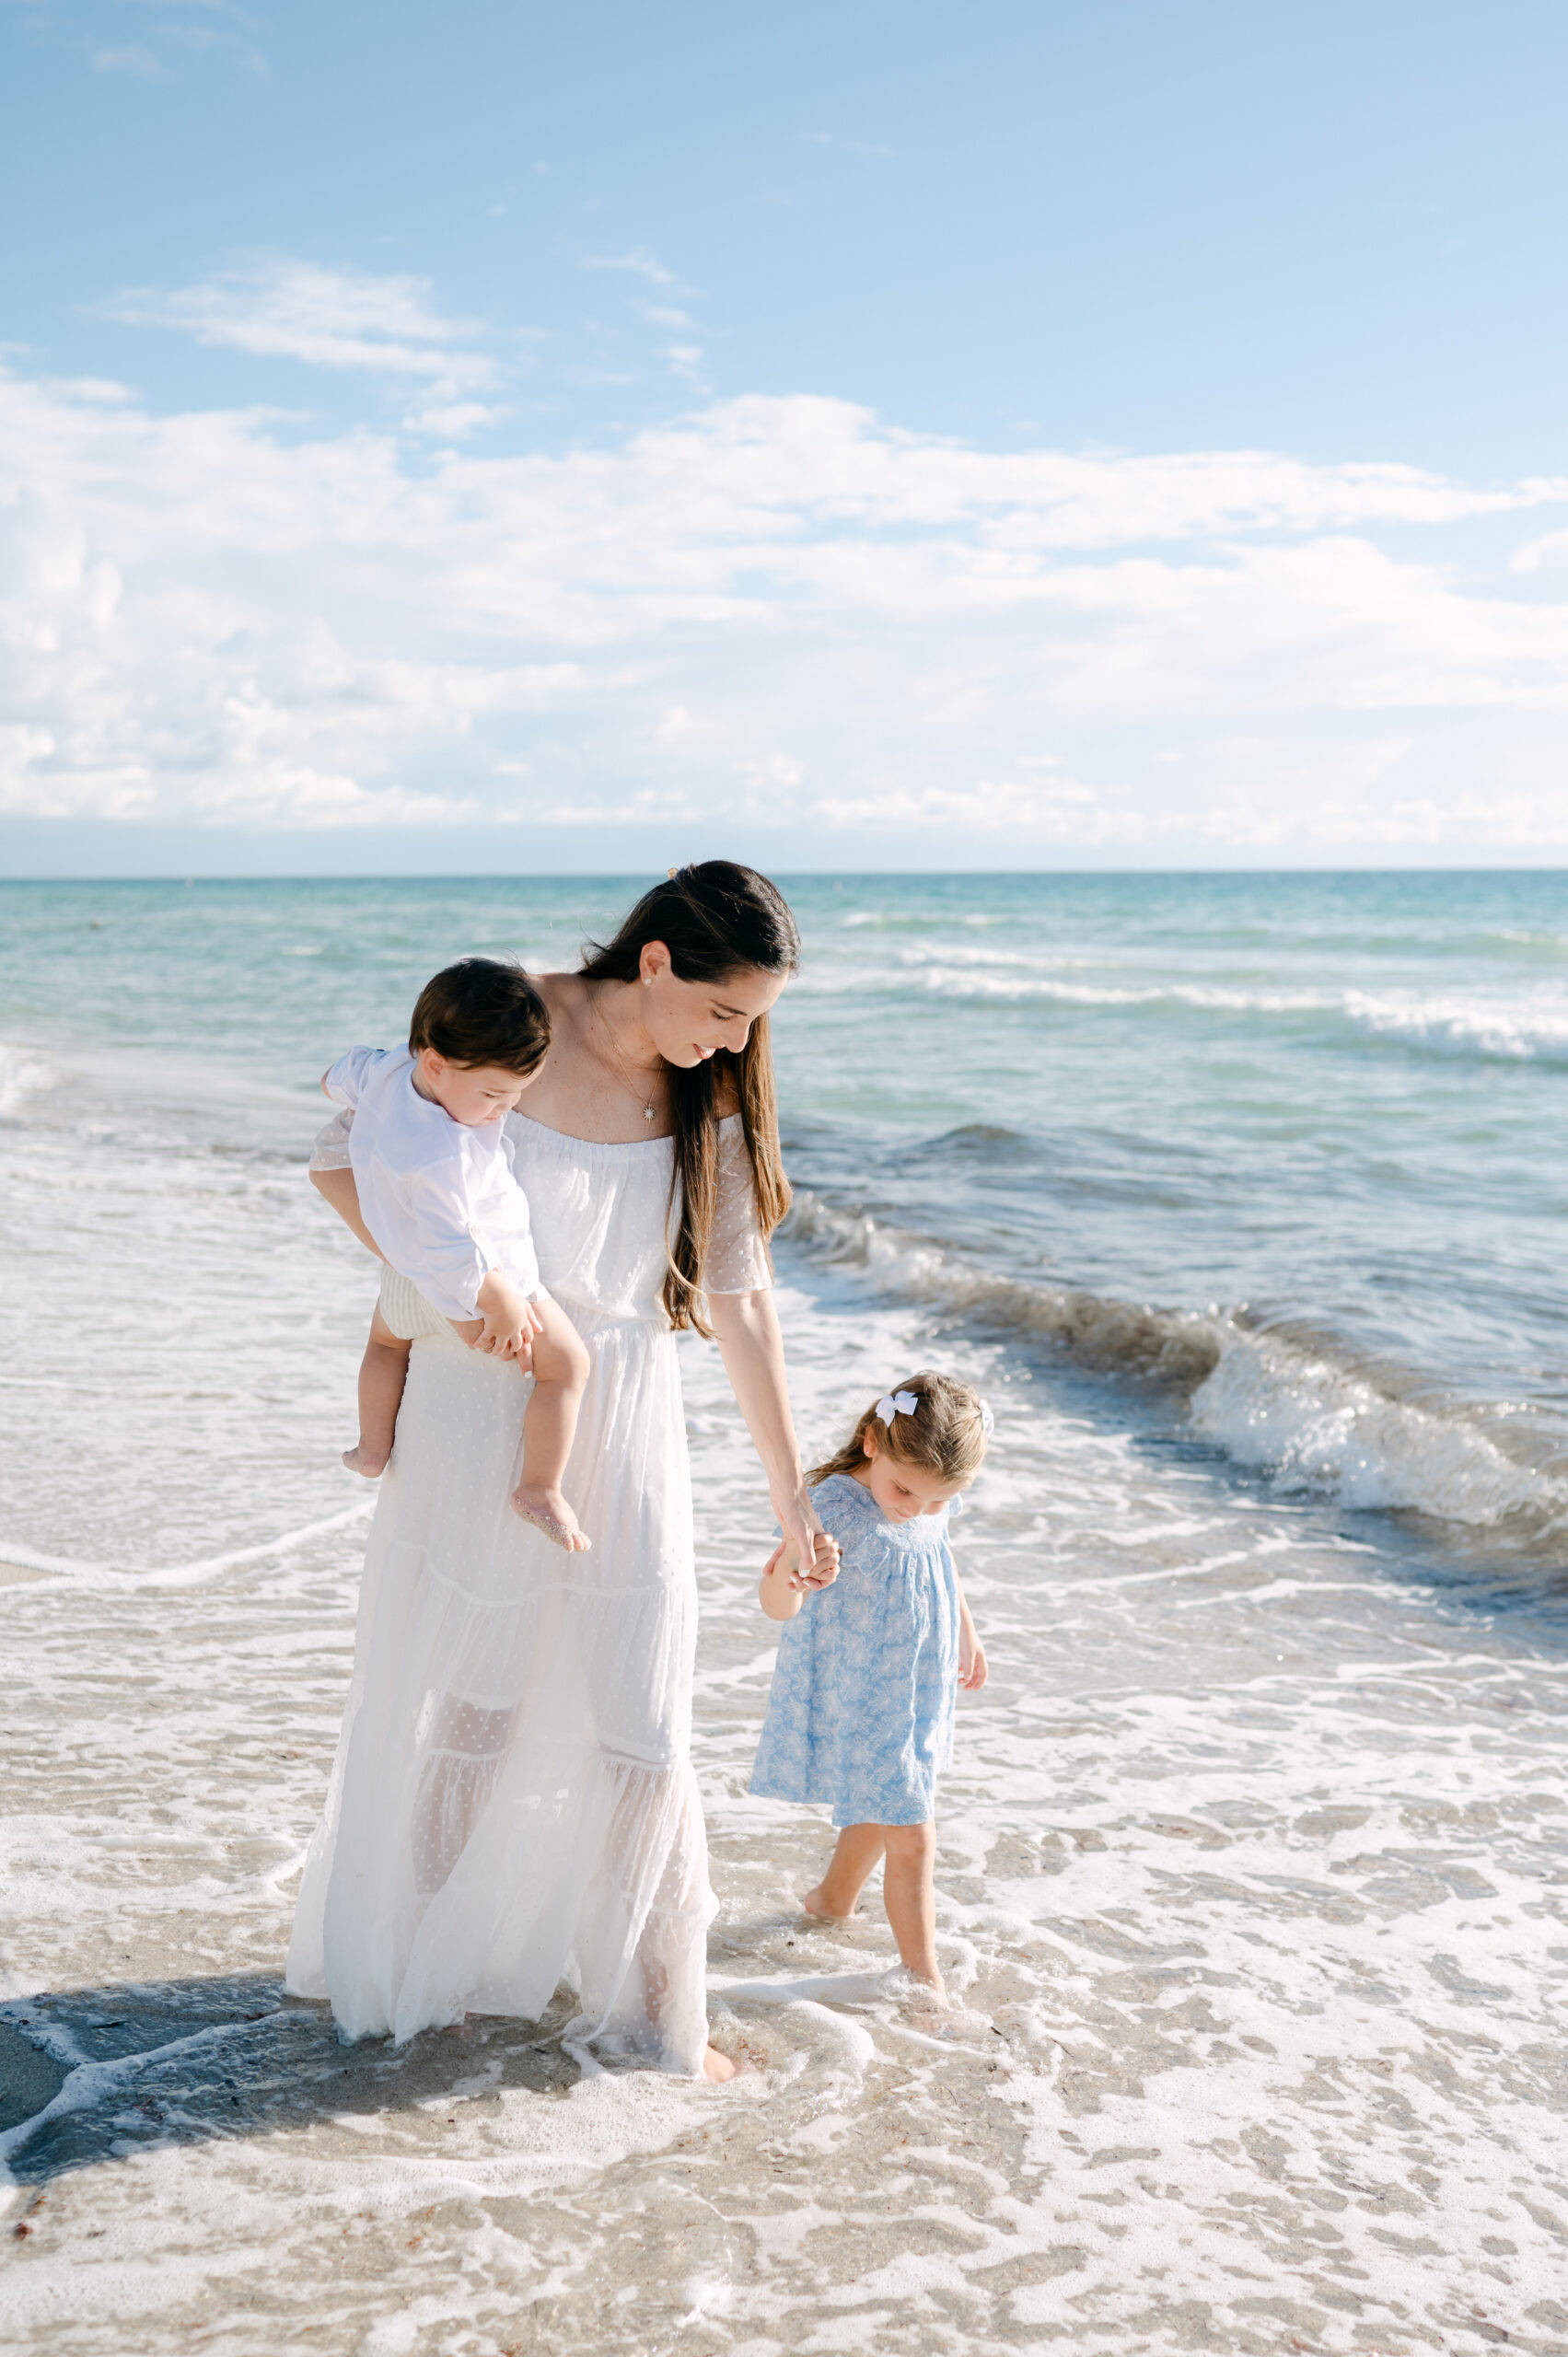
688 1021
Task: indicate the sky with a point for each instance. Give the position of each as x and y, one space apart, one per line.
1080 433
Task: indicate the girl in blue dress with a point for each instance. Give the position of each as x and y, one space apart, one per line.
861 1710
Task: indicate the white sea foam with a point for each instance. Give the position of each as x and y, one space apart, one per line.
1523 1029
25 1072
182 1575
1315 1423
1491 1026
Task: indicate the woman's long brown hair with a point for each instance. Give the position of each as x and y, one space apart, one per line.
712 918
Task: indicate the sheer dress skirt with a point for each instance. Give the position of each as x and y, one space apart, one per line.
512 1802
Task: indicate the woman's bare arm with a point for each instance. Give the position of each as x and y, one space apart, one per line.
340 1191
745 1325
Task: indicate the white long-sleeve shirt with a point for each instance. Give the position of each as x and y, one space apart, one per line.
440 1198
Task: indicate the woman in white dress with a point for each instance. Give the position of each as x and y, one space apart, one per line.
513 1802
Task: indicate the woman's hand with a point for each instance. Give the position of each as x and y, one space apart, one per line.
818 1553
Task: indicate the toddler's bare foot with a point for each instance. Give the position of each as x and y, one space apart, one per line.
549 1512
814 1905
716 2066
368 1461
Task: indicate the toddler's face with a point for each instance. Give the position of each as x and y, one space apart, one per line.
903 1491
472 1095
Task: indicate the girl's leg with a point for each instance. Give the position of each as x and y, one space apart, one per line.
854 1859
550 1423
383 1371
910 1897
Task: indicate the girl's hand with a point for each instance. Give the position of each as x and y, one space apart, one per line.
779 1593
972 1671
818 1553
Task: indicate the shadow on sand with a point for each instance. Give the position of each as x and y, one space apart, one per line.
96 2074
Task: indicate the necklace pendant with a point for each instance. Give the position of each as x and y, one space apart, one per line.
647 1113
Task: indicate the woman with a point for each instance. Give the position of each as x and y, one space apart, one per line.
513 1802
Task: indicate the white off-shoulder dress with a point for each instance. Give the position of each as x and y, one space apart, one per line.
513 1803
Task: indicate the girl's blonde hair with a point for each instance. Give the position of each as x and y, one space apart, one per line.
946 1435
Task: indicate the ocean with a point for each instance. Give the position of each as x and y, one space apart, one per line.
1241 1196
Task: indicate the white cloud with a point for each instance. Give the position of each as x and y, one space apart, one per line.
640 263
280 309
166 35
775 615
134 58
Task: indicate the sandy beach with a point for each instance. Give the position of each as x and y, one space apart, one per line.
1246 2056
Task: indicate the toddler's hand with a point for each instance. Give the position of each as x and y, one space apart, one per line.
510 1322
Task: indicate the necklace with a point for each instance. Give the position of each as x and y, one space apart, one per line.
646 1099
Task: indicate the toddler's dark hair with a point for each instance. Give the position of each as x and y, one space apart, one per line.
481 1012
946 1435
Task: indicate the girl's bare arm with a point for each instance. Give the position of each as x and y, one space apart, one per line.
973 1669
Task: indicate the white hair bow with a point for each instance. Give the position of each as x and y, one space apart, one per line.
897 1403
987 1420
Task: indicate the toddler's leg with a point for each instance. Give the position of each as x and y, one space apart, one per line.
383 1371
550 1423
855 1856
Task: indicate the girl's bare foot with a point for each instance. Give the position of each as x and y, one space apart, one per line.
549 1512
717 2067
812 1905
368 1461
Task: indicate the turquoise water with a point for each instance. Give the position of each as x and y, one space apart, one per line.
1317 1125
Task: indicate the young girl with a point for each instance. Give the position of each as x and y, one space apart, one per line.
860 1711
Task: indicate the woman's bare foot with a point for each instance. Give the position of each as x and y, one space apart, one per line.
717 2067
549 1512
368 1461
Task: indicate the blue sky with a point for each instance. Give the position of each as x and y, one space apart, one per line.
866 435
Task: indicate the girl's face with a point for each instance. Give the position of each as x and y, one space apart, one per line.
903 1491
688 1021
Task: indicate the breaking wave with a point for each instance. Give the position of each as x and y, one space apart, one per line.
1306 1413
1525 1028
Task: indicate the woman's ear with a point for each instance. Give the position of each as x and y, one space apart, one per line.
654 961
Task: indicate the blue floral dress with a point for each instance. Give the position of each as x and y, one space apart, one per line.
861 1708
